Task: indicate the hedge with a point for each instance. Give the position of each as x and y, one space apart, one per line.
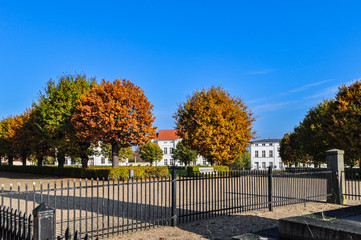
92 172
193 170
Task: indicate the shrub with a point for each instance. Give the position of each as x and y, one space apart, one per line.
93 172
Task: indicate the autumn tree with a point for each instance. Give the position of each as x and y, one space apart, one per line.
118 113
21 136
6 146
215 124
334 123
346 122
151 152
56 107
184 154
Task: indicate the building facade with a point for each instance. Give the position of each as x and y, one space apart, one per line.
265 153
97 160
167 140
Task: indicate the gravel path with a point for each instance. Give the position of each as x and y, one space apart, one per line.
216 228
228 226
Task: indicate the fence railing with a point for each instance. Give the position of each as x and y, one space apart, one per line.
14 224
352 183
94 208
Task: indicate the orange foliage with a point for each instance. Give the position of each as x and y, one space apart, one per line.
215 124
115 112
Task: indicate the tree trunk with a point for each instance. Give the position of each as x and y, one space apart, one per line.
84 161
23 159
61 159
10 160
40 161
115 154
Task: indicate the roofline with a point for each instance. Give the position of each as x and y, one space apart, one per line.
267 140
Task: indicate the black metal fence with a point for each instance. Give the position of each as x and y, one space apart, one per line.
94 208
14 224
351 183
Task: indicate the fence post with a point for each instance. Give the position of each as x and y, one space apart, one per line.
335 163
270 190
174 197
131 173
44 218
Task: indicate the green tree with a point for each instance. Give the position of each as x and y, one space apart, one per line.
215 124
242 162
184 154
56 107
288 149
151 152
124 153
117 113
39 137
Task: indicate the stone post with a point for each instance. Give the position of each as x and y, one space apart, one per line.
44 222
335 163
131 173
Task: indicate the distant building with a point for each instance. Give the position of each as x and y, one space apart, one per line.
167 140
97 160
265 153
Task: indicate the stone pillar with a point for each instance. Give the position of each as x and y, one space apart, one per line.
335 163
44 222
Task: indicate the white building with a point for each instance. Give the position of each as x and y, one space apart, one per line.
97 160
167 141
265 153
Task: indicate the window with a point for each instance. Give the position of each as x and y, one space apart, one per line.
263 153
263 144
109 161
257 165
91 161
171 162
103 160
256 154
270 153
171 150
271 164
263 165
165 162
271 144
256 144
204 162
165 150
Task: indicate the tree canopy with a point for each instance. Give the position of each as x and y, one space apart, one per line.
56 107
118 113
334 123
6 132
215 124
151 152
184 154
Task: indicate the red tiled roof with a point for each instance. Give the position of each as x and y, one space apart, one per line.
167 135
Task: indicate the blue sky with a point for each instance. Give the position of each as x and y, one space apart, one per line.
280 57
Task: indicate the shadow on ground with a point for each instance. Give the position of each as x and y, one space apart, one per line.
226 227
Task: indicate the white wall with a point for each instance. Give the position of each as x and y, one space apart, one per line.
265 162
97 160
167 157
